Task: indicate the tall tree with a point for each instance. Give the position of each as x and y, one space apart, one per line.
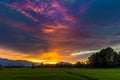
105 58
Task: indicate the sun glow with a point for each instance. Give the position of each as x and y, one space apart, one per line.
36 61
43 61
50 57
47 58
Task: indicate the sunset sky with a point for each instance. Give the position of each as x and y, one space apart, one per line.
57 30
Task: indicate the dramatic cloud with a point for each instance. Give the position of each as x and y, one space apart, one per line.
52 30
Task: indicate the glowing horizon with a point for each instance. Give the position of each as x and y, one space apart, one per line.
52 31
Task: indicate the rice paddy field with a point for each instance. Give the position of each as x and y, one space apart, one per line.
59 74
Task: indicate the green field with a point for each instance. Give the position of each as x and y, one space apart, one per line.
59 74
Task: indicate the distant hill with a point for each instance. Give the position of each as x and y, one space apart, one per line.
7 62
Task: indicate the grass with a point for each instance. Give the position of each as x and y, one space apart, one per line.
59 74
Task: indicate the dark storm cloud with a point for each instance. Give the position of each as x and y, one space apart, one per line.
18 39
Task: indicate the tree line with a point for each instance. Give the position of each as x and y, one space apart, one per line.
106 58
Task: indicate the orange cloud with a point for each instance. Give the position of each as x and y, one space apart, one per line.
53 28
11 54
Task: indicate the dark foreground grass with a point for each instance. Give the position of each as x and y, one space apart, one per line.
59 74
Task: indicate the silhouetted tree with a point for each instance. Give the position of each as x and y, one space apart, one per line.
33 66
1 67
78 65
64 65
105 58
